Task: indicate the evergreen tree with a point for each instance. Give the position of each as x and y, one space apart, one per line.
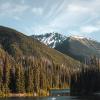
20 80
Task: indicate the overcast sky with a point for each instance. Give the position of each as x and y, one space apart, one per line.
68 17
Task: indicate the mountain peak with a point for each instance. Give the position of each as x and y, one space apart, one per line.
50 39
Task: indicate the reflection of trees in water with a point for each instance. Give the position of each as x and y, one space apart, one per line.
91 97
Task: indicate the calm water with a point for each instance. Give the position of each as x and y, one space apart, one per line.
57 98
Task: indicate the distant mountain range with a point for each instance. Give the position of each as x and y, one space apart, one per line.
17 44
77 47
65 48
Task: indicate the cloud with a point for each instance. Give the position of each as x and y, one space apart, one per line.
42 29
22 1
89 29
16 18
77 9
54 9
37 11
65 16
70 17
12 9
78 18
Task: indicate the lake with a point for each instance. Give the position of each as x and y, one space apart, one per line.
56 98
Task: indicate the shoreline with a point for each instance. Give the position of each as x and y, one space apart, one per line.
21 95
17 95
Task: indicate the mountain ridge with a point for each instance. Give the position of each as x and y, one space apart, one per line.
78 47
17 44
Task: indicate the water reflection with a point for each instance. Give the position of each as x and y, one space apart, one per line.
92 97
95 97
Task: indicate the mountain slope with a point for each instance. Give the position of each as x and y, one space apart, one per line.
17 44
77 47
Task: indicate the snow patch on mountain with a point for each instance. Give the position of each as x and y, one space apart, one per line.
77 37
51 39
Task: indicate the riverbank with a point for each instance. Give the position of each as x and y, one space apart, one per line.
40 93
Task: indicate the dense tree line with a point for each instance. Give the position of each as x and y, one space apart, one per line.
86 80
31 75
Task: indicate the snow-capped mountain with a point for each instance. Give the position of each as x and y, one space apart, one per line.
78 47
54 39
50 39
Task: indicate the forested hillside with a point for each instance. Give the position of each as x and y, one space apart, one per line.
28 66
86 81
